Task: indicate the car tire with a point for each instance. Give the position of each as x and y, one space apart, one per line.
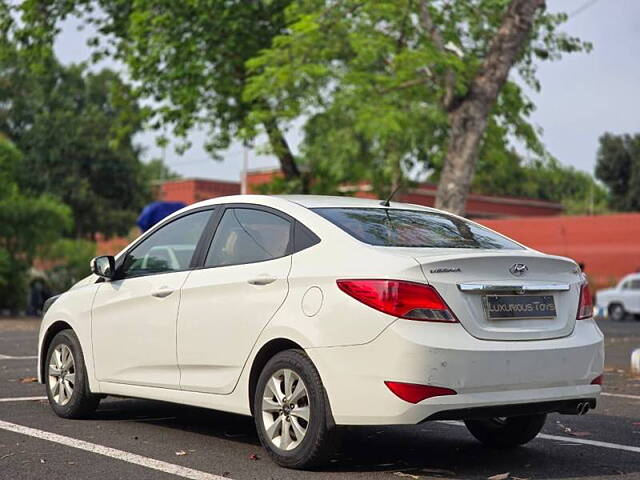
291 440
66 378
617 313
506 432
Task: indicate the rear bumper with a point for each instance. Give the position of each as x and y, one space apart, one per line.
485 374
573 407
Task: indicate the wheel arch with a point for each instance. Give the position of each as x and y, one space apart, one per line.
266 352
53 329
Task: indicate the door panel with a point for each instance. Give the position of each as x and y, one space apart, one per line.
223 310
226 305
631 296
134 318
134 330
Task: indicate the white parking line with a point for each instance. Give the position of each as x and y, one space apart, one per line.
151 463
190 473
594 443
21 399
620 395
9 357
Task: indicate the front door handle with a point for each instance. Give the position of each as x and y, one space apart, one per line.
162 292
262 280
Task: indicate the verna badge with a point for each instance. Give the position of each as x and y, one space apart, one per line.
518 269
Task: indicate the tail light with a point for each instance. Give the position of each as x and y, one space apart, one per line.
597 380
585 305
409 300
414 393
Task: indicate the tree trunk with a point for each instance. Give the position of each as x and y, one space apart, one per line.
282 151
469 116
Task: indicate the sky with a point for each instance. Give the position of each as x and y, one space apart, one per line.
582 96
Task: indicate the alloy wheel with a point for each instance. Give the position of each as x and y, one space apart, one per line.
285 409
62 374
617 313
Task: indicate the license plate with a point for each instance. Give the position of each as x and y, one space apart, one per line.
519 307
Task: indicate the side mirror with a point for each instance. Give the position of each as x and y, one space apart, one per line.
104 266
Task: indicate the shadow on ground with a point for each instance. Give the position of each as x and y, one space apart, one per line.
430 450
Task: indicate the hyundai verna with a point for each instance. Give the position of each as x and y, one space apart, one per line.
312 312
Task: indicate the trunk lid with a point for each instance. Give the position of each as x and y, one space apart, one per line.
465 278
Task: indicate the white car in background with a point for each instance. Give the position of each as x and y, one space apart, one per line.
622 300
313 312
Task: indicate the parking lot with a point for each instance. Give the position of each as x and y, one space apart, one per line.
130 438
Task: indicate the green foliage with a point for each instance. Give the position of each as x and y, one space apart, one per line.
502 171
156 171
371 82
26 224
367 80
542 180
29 222
76 131
618 166
72 257
187 56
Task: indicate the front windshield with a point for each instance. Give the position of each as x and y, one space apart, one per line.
390 227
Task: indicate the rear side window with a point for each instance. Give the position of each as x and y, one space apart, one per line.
389 227
248 236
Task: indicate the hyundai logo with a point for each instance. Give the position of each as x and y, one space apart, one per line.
518 269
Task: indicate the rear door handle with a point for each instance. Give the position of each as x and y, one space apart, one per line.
162 292
262 280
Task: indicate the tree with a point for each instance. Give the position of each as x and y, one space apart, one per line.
157 171
71 258
75 129
618 166
187 57
409 82
469 113
400 84
502 171
26 224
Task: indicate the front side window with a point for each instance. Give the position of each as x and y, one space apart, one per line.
390 227
169 249
635 284
247 236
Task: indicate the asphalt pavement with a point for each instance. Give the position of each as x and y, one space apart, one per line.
139 439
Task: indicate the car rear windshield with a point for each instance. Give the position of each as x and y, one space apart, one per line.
390 227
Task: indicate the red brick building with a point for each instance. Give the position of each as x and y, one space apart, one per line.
192 190
478 206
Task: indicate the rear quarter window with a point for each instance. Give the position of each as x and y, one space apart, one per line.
388 227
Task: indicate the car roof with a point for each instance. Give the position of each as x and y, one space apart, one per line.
330 201
310 201
631 276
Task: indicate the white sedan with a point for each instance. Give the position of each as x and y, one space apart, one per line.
622 300
313 312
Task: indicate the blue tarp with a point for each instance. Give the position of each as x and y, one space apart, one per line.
156 211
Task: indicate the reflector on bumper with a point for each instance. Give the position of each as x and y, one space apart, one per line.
415 393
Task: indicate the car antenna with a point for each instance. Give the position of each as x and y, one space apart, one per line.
385 202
